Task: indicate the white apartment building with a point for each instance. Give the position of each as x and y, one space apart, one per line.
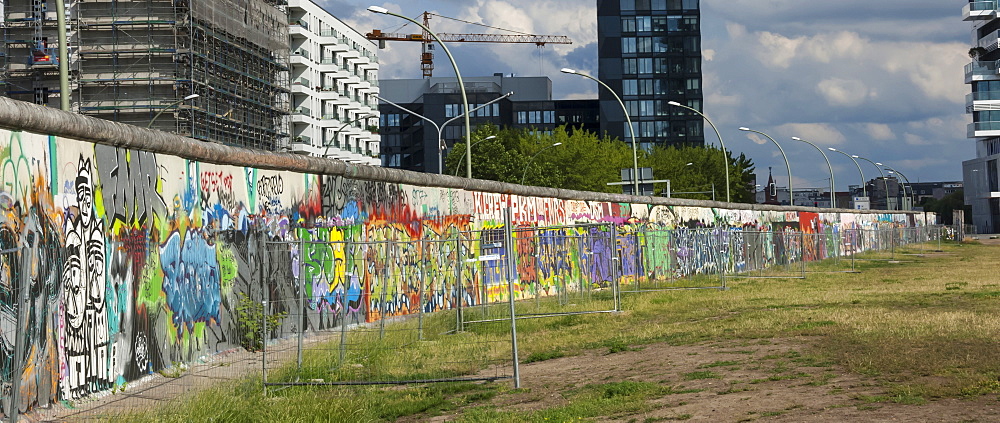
981 178
334 81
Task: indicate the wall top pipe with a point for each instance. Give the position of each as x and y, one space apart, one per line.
19 115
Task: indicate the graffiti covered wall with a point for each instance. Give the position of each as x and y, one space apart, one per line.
116 262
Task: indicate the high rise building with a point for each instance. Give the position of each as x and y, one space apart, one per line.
650 53
982 181
411 143
211 70
334 73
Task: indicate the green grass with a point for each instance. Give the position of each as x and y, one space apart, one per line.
921 329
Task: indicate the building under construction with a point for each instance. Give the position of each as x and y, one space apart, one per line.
217 70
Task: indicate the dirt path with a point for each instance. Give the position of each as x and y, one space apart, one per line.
732 382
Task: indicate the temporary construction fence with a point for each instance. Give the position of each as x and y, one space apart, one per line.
341 308
357 317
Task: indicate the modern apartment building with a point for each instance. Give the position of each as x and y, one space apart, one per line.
211 70
334 75
411 143
650 53
980 175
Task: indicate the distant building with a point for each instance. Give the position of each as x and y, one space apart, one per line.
650 53
980 175
922 191
334 72
211 70
409 142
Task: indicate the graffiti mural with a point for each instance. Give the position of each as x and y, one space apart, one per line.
115 262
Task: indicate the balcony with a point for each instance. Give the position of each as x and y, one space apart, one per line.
981 71
979 10
983 129
986 100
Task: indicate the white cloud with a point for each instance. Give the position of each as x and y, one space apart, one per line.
842 92
821 134
879 131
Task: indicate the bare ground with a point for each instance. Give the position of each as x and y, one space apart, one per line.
731 381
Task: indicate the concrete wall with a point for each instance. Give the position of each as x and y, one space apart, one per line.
123 250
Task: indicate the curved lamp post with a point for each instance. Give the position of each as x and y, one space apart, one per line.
461 84
337 132
864 191
884 181
791 191
440 128
833 199
172 105
631 130
912 198
526 166
725 155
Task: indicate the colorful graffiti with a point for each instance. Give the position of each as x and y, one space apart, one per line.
115 262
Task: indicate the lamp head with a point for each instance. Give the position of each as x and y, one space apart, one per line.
832 149
376 9
557 144
855 156
673 103
796 139
192 96
878 164
743 128
689 164
567 70
489 137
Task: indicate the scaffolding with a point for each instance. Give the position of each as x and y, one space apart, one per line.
132 59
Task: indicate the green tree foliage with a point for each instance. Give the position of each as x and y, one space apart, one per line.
587 162
706 169
946 206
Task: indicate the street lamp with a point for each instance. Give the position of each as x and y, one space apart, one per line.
631 130
440 128
474 144
833 199
912 198
884 181
337 132
725 156
791 191
526 166
170 106
461 84
864 191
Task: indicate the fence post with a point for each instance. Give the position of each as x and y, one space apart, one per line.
511 274
343 312
459 286
16 363
420 291
386 276
303 320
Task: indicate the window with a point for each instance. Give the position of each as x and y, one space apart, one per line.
630 87
645 66
391 119
629 66
690 4
643 45
643 24
548 116
692 84
628 4
658 5
452 110
628 24
628 45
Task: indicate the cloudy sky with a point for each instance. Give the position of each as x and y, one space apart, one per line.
880 79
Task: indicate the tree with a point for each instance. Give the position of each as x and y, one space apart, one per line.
583 161
946 206
705 172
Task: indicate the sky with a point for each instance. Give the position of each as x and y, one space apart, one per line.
880 79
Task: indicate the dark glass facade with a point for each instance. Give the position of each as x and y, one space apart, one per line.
650 54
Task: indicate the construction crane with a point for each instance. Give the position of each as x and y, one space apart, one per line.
427 56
